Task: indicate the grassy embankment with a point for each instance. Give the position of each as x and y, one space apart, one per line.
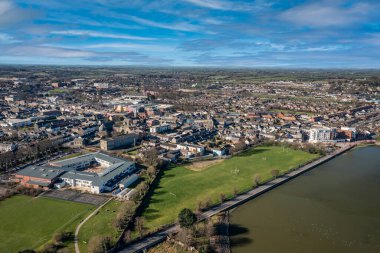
180 187
102 224
28 222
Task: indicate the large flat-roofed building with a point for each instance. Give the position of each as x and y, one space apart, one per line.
347 133
94 172
119 141
39 176
5 147
322 134
19 122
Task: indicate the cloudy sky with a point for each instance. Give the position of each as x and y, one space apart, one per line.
224 33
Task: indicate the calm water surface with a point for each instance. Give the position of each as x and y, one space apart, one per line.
334 208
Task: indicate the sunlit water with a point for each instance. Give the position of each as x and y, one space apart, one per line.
334 208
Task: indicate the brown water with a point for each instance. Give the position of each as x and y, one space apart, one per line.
334 208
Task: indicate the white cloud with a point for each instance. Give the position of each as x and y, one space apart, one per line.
324 48
372 39
144 47
5 6
64 53
213 21
100 35
226 5
213 4
324 14
185 27
42 51
6 38
11 14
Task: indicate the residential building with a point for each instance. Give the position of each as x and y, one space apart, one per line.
160 128
19 122
322 134
119 141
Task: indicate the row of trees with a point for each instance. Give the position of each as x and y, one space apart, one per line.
123 218
99 244
307 147
27 153
125 215
150 157
12 189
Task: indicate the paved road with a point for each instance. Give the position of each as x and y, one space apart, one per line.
150 241
160 236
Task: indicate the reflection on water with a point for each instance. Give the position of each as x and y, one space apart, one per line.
331 209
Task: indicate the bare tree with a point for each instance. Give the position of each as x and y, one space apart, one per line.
151 157
236 192
139 225
99 244
238 147
256 180
275 173
222 197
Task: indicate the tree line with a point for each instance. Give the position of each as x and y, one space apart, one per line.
27 153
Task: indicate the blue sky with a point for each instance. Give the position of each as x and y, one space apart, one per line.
223 33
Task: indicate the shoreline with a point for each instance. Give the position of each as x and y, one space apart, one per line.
244 197
160 236
365 144
354 148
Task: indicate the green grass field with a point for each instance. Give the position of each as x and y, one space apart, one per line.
28 222
100 224
180 187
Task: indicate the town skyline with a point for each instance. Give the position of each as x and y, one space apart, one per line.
191 33
210 126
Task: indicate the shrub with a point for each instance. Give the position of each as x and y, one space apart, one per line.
186 218
275 173
99 244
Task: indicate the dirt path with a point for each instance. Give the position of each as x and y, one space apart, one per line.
202 165
84 221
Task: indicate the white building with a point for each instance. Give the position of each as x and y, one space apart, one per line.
189 150
5 147
322 134
114 170
101 85
19 122
160 128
